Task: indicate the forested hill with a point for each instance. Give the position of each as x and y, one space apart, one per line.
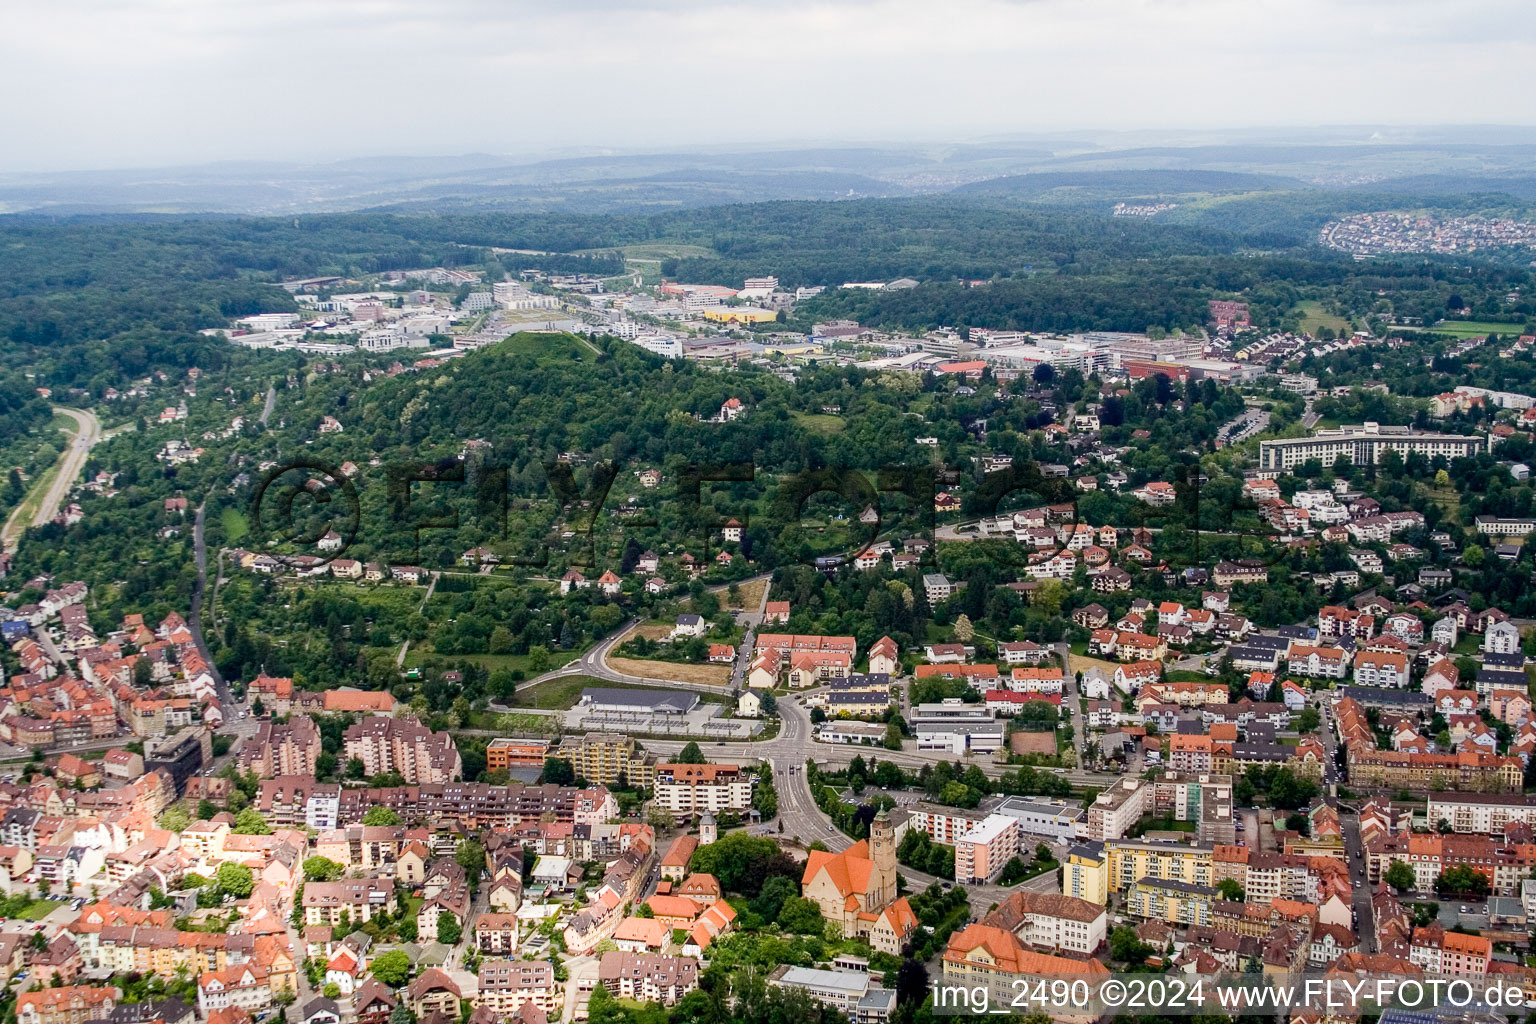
833 243
535 396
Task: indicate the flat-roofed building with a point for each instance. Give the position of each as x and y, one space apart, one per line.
1132 860
1085 875
508 752
1167 899
602 758
1363 445
851 992
957 727
1116 809
981 853
1480 813
610 700
1058 820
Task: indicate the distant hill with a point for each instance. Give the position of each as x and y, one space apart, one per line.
1522 188
1130 184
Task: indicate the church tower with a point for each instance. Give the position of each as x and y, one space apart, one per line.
882 851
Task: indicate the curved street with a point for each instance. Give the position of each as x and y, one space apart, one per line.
787 752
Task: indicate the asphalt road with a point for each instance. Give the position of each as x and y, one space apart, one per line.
787 753
795 743
87 433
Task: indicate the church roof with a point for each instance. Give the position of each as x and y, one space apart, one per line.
850 871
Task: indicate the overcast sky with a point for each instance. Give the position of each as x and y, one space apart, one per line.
120 83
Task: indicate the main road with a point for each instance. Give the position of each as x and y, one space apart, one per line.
803 819
87 433
787 752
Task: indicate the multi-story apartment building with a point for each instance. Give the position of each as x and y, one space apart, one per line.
1381 668
496 935
981 853
1086 873
245 987
1131 861
1450 954
72 1004
942 824
1505 866
1258 919
1168 899
1480 813
289 801
511 752
602 758
405 747
1116 809
373 848
648 977
290 748
505 985
1273 876
1477 772
476 805
696 788
360 900
1362 445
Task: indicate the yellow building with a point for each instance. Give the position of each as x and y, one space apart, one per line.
805 348
1172 901
1132 860
740 315
1086 875
601 758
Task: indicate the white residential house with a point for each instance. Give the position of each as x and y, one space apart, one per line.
690 625
1095 684
1502 638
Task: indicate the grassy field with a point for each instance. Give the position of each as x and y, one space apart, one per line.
490 662
236 525
820 423
748 596
650 630
41 909
701 675
556 694
1467 644
1314 316
1447 499
1475 328
562 693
